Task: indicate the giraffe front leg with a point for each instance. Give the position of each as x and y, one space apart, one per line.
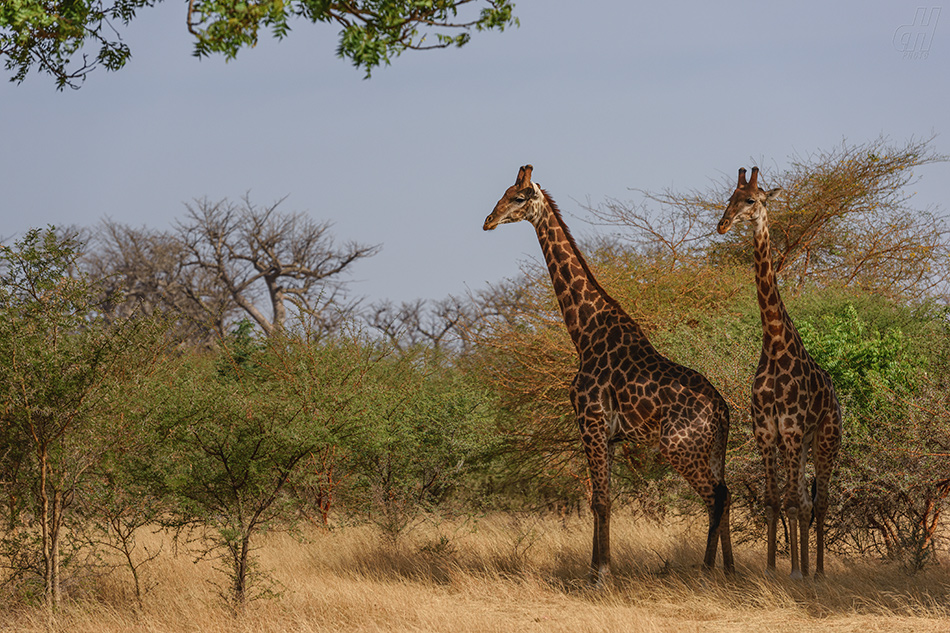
599 455
600 557
792 515
771 499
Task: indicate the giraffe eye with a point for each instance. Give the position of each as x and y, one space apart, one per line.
519 199
750 201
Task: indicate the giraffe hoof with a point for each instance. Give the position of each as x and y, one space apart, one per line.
600 578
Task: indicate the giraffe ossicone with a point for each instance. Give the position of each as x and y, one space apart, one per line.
794 407
624 389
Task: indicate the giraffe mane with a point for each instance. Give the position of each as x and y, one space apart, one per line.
580 256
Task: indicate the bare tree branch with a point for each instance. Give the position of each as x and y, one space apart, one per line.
263 256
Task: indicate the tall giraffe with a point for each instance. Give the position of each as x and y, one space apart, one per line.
794 407
624 389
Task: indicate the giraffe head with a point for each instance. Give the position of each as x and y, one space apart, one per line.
522 201
748 201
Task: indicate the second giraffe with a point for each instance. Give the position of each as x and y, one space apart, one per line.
794 407
624 388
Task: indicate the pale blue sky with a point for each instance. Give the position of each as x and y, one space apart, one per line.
601 97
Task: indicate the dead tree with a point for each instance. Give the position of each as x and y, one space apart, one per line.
263 257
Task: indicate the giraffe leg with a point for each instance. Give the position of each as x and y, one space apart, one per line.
792 515
725 537
598 459
821 508
765 431
825 451
792 445
714 495
804 514
804 523
723 496
771 498
712 535
719 529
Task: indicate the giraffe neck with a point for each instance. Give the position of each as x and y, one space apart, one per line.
578 293
777 327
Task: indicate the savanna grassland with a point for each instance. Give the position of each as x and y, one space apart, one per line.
503 573
146 395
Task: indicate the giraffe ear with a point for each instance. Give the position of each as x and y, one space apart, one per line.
771 193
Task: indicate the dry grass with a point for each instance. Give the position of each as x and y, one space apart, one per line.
506 574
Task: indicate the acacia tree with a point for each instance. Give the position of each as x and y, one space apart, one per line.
49 36
845 217
61 371
230 444
237 431
259 253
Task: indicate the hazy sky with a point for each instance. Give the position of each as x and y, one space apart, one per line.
602 97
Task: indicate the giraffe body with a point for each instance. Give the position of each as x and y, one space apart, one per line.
794 407
624 389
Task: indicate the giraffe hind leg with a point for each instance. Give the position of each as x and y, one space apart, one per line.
720 494
715 496
719 529
827 444
820 511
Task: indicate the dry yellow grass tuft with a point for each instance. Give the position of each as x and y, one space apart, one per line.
505 573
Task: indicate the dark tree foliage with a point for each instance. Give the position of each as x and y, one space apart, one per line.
53 37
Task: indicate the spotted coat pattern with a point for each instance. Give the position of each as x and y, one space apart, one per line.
794 406
624 388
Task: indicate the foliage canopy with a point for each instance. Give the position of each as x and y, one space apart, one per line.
50 36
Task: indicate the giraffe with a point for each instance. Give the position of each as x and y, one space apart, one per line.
794 407
624 389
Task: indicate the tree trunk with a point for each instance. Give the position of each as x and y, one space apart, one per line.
55 525
242 555
45 525
277 298
51 521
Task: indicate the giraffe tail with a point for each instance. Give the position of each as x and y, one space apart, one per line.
721 493
814 495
